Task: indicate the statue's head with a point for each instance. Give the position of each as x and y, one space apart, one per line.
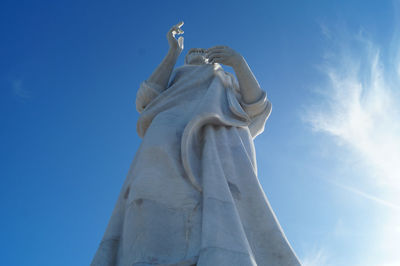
196 56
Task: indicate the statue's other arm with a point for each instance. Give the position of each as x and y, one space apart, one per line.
163 72
249 87
253 100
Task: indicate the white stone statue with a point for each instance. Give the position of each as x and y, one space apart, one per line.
192 196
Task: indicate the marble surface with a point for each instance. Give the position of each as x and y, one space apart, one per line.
192 195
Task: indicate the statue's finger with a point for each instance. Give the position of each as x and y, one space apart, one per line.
172 31
215 50
177 26
177 30
213 54
180 42
215 58
218 47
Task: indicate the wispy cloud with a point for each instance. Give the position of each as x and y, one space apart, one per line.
360 109
373 198
315 257
19 90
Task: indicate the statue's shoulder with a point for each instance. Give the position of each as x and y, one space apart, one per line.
232 80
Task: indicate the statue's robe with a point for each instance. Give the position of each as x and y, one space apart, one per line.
192 194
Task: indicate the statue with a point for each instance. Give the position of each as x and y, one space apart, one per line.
192 196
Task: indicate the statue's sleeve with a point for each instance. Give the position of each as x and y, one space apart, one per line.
147 92
256 113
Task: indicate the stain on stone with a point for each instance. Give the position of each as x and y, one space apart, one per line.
139 202
126 194
153 260
234 191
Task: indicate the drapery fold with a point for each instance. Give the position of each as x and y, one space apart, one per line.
192 194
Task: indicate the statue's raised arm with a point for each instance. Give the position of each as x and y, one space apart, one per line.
163 72
158 81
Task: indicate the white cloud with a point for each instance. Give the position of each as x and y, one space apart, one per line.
315 257
360 110
373 198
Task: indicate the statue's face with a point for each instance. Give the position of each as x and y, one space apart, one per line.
196 56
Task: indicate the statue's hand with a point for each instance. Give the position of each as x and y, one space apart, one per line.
223 55
174 44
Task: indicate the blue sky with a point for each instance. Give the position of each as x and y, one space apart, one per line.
328 159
